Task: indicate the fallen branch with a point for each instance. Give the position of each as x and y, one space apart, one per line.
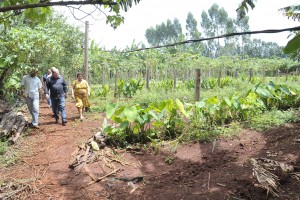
100 178
266 179
208 181
11 194
93 177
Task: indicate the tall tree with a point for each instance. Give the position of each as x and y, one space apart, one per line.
242 26
164 33
214 23
193 33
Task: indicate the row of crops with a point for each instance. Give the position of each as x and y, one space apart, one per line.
169 118
129 88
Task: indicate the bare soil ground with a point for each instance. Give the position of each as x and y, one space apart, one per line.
195 171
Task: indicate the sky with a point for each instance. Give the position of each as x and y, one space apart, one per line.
149 13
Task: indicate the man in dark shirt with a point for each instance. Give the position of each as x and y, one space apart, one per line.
58 92
45 76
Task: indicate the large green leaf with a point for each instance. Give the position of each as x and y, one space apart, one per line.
130 113
110 110
264 93
292 45
154 115
181 107
285 90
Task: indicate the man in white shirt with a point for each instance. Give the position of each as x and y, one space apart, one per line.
30 86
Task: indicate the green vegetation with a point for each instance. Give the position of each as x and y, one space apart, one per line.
3 147
272 119
140 120
241 85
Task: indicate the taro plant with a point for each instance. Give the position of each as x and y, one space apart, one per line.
101 91
128 89
165 85
136 124
131 123
277 96
169 116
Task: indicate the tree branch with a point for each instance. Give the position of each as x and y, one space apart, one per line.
60 3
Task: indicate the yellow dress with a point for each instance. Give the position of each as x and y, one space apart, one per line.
81 94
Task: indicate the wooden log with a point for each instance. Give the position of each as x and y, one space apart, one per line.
20 125
7 127
3 106
5 119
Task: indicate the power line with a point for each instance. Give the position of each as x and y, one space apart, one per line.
297 28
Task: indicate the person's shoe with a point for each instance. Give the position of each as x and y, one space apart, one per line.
81 118
35 126
64 123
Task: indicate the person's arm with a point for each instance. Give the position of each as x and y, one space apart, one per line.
23 87
88 88
65 87
47 87
40 86
73 89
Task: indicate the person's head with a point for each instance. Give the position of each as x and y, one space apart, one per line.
55 73
33 71
52 68
79 76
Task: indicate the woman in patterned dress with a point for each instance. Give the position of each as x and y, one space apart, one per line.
80 92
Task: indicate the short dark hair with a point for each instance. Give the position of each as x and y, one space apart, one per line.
78 74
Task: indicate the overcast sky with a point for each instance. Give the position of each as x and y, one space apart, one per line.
152 12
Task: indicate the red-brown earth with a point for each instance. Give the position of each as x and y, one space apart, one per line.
198 170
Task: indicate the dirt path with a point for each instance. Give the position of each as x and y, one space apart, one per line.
195 171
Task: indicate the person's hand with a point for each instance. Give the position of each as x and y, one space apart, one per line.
24 95
47 96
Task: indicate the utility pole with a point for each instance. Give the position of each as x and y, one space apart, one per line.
86 51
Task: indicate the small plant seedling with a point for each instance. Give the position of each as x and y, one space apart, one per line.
169 160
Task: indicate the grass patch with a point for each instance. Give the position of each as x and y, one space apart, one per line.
3 148
272 119
208 135
10 158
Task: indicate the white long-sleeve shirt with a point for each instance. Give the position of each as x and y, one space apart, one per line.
31 86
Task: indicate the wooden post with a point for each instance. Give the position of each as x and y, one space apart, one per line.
147 78
227 72
197 84
174 78
235 73
156 73
219 77
116 83
277 73
103 75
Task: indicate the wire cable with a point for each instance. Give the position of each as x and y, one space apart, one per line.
297 28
